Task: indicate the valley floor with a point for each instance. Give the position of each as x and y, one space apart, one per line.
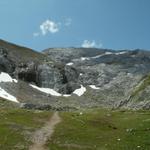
93 129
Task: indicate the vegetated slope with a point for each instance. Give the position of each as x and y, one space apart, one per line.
76 77
140 94
17 126
20 54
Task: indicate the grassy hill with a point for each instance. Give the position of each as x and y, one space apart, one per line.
21 54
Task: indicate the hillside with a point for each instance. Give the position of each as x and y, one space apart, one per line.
18 53
69 78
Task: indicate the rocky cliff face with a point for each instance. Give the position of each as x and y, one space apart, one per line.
110 78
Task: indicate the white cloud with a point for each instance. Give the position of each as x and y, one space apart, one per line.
68 22
91 44
49 26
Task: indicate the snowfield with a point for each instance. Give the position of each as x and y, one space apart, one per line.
49 91
80 91
120 53
94 87
85 58
69 64
7 96
46 90
66 95
5 77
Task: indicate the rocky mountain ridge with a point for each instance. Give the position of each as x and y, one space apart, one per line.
104 78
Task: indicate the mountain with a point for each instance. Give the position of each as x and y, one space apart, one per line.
70 78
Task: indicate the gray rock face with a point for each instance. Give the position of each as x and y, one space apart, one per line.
61 78
6 64
27 72
116 73
50 77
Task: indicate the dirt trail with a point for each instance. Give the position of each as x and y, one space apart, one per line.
41 136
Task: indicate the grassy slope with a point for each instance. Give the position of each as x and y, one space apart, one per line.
145 82
103 130
16 127
21 54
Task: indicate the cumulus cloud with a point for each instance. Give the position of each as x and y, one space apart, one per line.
49 26
91 44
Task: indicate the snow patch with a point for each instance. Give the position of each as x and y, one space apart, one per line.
80 91
94 87
69 64
108 53
5 77
16 81
94 57
7 96
85 58
66 95
120 53
46 90
98 56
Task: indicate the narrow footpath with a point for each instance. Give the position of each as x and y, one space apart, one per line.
41 136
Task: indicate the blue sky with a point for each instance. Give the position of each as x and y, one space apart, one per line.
40 24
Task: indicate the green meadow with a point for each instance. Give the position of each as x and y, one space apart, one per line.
90 129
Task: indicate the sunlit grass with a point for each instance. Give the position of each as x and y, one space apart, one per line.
103 129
